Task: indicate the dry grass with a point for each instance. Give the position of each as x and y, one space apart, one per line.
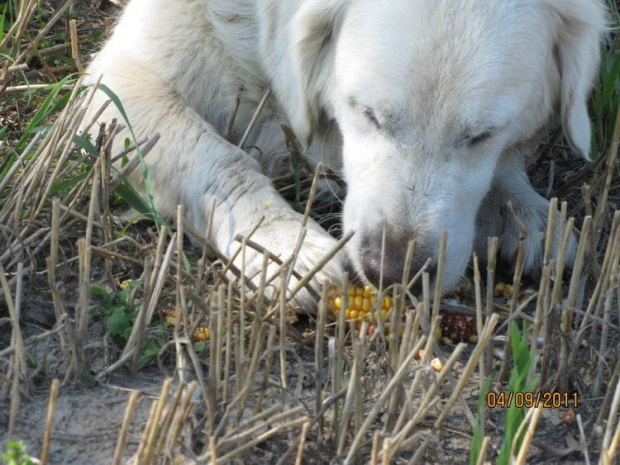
266 387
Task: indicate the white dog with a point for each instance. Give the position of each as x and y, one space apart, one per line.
428 106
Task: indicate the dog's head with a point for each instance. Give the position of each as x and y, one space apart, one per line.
428 94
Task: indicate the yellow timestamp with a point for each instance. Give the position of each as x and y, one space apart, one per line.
532 399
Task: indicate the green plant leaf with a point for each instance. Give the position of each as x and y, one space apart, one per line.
67 184
86 145
101 292
476 443
133 198
118 321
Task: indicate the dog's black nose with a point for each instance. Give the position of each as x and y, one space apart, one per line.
393 258
391 273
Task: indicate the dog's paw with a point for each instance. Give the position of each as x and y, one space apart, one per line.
495 218
534 224
280 236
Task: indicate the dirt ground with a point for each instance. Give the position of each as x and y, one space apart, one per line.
88 419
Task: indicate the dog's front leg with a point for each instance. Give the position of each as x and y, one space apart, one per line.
246 205
193 165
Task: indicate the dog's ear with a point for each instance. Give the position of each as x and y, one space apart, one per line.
301 76
578 54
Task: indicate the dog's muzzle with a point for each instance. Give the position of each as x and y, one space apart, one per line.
383 262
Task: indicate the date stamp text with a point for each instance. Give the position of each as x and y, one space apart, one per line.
532 399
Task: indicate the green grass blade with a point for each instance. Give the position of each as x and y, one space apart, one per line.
148 186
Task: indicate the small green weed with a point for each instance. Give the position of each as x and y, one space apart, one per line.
606 97
476 445
120 310
16 454
520 381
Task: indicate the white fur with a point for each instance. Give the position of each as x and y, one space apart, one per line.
405 85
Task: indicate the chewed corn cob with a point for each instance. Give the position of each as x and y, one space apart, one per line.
202 333
361 304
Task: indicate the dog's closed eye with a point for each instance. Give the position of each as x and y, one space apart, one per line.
371 116
471 139
479 138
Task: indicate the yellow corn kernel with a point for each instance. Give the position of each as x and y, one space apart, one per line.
436 364
503 290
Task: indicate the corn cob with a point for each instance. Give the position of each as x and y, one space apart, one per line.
361 304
